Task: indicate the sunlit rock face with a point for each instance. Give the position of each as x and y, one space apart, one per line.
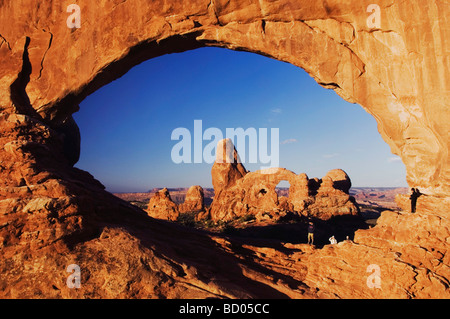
240 193
161 206
395 65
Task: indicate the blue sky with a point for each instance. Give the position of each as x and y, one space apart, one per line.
126 126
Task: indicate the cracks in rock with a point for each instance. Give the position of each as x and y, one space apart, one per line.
274 273
212 5
4 41
174 20
45 53
411 291
379 30
317 29
363 71
330 85
416 273
263 26
391 4
353 36
170 24
213 291
339 43
306 24
444 281
18 93
118 4
356 61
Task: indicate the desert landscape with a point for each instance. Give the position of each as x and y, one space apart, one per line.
371 201
242 239
279 214
372 198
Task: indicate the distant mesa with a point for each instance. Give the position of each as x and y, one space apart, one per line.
239 192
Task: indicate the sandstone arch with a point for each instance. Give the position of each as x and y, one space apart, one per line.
397 73
331 41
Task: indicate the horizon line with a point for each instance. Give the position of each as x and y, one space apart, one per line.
169 188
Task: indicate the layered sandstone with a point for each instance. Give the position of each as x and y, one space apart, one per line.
53 215
396 72
254 193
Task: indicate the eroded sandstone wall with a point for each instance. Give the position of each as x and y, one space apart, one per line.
398 72
238 192
52 215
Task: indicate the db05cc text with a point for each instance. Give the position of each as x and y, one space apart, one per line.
246 308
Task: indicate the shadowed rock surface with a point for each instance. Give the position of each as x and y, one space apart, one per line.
53 215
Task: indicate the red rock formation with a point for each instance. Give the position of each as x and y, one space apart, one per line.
161 206
227 168
254 193
332 197
340 180
53 215
194 201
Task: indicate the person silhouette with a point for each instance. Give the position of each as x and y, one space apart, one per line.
332 240
415 194
311 229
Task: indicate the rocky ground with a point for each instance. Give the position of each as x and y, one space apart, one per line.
53 215
372 201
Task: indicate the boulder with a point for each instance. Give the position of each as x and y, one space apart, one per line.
396 71
194 201
340 180
161 206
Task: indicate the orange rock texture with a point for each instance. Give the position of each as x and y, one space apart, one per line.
161 206
240 193
53 215
194 201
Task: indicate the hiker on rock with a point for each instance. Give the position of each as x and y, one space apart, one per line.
415 193
332 240
311 229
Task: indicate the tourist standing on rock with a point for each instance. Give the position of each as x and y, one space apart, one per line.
311 229
332 240
415 193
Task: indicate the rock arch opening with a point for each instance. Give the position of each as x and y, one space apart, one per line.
282 188
130 139
53 213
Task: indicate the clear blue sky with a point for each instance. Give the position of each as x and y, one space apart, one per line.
126 126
